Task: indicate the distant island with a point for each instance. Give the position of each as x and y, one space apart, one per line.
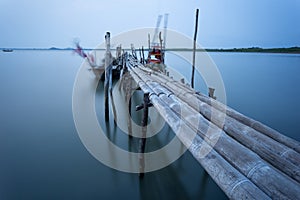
259 50
292 50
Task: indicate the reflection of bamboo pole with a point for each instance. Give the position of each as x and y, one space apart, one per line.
194 48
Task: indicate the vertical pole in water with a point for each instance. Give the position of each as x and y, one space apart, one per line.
107 74
128 90
149 42
143 53
133 51
161 48
129 110
194 48
141 58
112 98
165 35
211 92
142 142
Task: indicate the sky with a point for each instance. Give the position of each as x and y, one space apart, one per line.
222 23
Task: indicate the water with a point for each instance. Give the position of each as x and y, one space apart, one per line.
42 156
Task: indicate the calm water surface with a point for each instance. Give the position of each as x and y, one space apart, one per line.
42 156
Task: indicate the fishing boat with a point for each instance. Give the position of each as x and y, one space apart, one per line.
155 59
7 50
156 53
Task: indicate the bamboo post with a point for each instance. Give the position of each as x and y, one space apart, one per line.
107 74
211 92
149 42
142 142
165 35
161 47
194 48
112 98
141 58
129 116
133 51
128 88
143 53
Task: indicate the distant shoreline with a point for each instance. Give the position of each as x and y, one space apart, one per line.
290 50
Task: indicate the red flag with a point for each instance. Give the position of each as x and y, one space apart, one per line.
80 51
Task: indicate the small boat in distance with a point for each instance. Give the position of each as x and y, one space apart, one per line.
7 50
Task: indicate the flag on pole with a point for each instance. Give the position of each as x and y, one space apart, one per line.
80 51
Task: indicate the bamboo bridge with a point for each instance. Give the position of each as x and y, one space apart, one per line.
246 159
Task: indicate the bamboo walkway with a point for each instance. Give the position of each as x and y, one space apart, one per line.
247 159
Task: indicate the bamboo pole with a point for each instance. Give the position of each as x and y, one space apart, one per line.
194 48
142 141
112 98
128 90
107 74
141 58
143 53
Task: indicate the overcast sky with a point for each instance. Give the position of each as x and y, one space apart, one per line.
223 23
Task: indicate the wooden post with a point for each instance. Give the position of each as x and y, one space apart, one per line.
211 93
142 142
128 89
141 58
149 42
194 48
118 52
107 74
112 98
133 51
143 53
129 116
165 35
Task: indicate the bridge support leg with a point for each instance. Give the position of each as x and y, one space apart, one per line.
128 90
106 100
142 143
112 98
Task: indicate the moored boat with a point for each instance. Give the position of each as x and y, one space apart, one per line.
7 50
